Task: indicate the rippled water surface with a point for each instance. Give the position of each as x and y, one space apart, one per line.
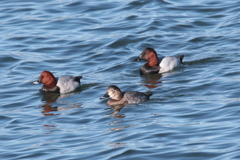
193 113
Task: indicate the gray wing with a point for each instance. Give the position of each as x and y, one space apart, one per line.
136 97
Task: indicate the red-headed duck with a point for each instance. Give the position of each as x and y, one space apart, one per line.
62 85
129 97
153 65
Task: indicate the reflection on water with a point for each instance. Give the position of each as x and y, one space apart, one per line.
117 144
151 81
48 109
49 129
119 125
116 109
98 39
50 98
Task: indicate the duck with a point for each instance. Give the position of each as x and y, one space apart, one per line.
130 97
154 65
61 85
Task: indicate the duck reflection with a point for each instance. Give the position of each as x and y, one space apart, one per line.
117 125
117 144
116 109
118 122
49 129
48 108
151 81
50 98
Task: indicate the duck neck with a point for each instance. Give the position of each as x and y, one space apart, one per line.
51 89
119 97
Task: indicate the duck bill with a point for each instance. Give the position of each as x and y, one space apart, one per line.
137 59
38 81
105 96
140 57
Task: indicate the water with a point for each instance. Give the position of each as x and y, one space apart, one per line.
193 114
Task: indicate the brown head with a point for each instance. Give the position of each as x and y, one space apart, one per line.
48 79
149 55
114 93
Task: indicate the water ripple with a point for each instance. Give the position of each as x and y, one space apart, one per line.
193 113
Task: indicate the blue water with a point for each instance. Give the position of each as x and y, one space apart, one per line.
193 113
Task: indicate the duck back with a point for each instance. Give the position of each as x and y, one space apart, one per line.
136 97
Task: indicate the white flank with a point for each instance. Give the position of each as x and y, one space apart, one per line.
67 84
168 63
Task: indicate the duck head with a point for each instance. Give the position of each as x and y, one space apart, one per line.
149 55
47 79
114 93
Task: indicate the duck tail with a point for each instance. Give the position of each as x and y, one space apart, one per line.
77 78
181 58
148 94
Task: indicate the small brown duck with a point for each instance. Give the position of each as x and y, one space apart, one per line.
129 97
